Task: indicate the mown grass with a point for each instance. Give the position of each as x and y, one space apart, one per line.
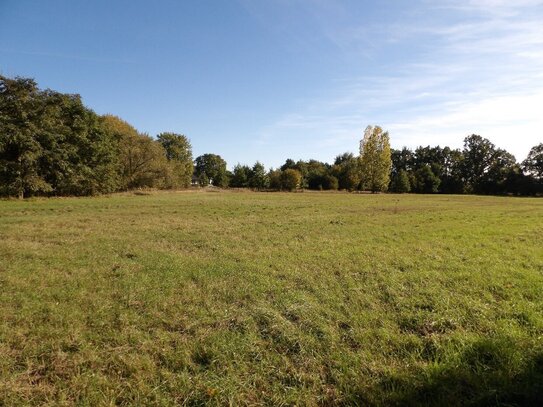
271 299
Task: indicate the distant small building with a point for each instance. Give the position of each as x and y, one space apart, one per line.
195 182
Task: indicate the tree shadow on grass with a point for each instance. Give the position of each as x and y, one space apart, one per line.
490 373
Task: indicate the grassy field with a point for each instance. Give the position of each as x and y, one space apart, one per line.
271 299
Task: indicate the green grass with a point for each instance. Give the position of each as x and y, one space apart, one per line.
271 299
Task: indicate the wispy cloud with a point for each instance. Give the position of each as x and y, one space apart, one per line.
477 67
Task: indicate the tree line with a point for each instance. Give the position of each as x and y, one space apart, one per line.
51 144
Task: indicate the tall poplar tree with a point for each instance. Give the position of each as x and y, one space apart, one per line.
375 159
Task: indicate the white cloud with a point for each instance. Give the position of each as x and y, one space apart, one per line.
479 72
513 122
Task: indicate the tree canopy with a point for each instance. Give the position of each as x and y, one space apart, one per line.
51 144
375 159
211 168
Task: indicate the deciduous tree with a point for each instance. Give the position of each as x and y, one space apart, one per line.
400 182
533 164
240 176
375 159
20 150
179 153
211 167
290 179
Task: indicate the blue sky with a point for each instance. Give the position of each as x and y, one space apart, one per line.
272 79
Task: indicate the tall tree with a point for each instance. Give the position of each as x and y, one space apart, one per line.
51 143
402 160
290 179
477 155
375 159
211 167
502 168
451 177
80 155
179 154
426 182
258 178
533 164
317 176
275 178
400 182
20 150
240 176
346 169
142 160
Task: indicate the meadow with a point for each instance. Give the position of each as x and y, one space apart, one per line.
240 298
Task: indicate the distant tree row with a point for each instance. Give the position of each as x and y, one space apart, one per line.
478 168
52 145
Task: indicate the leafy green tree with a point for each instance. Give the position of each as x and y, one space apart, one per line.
323 182
346 169
240 176
533 164
426 182
80 155
315 174
290 179
531 181
213 168
306 170
444 163
401 160
478 154
486 169
275 179
329 182
503 167
145 163
432 156
52 144
179 153
344 158
375 159
142 161
451 177
20 149
289 163
258 178
400 182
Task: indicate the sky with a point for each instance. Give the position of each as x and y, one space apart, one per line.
269 80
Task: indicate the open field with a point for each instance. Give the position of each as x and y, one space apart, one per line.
271 299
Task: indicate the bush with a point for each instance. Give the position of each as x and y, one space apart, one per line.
290 179
329 182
